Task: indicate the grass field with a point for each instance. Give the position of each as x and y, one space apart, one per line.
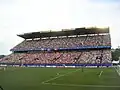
21 78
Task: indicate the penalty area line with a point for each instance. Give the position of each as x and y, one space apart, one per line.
100 73
60 76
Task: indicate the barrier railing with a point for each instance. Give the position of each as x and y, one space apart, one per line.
55 49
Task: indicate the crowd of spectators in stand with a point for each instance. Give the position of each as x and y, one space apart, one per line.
62 57
92 56
69 42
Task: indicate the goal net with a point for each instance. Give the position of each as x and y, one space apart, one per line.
3 67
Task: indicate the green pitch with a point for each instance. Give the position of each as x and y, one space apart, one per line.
21 78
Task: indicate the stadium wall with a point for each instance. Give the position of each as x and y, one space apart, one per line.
58 65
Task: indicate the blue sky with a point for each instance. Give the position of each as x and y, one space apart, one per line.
20 16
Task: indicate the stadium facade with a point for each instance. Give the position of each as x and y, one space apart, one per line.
68 47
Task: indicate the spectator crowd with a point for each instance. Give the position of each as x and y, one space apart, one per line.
69 42
62 57
90 57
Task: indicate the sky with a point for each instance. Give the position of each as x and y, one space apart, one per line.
21 16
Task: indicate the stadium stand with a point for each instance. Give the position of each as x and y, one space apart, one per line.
101 40
78 46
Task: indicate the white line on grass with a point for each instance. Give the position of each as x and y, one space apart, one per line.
117 71
76 85
100 73
60 76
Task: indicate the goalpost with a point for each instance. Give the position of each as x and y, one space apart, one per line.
3 67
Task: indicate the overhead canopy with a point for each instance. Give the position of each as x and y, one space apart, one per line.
64 32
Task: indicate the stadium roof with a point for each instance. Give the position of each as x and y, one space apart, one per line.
64 32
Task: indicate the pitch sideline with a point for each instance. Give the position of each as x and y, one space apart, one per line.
76 85
117 71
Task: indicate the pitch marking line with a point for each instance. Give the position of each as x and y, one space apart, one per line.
59 76
117 71
100 73
76 85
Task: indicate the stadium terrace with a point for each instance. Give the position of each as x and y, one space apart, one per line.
68 47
